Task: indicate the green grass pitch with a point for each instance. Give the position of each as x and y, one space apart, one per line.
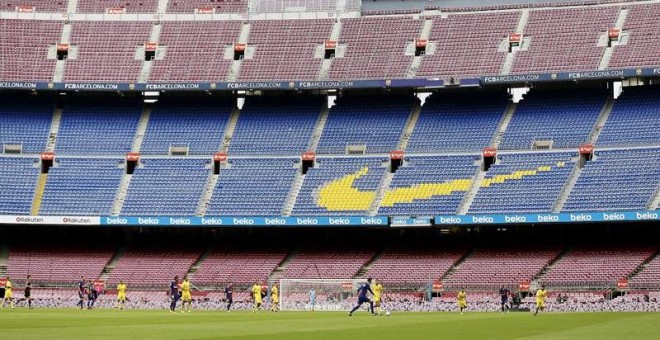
138 324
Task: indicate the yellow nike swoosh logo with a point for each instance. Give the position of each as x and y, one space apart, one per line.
341 195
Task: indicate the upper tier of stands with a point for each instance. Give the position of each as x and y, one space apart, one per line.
634 119
460 44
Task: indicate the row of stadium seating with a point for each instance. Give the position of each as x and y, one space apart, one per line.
424 186
448 122
483 268
131 6
461 45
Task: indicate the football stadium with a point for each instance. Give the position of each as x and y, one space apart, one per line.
329 169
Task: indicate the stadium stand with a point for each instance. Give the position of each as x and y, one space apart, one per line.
429 185
564 39
375 47
241 266
528 182
57 265
253 187
616 180
634 120
151 267
340 186
25 120
194 51
166 187
276 125
198 124
649 276
285 49
641 49
484 268
131 6
24 45
376 122
218 6
413 266
326 264
457 122
106 51
81 186
540 117
467 45
38 5
18 179
595 266
98 126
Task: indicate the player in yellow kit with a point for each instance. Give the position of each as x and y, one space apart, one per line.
186 297
256 296
378 296
275 299
121 295
541 294
462 300
8 294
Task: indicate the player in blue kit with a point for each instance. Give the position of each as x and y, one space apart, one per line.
81 293
229 296
362 297
174 293
504 296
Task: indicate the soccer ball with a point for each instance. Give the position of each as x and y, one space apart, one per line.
387 313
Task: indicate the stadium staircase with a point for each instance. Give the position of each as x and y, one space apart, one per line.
208 194
655 200
4 260
478 178
293 194
38 194
145 71
550 264
511 57
577 167
503 124
318 131
382 189
72 6
410 126
229 130
457 265
105 273
417 60
58 73
568 187
54 129
120 197
162 7
236 64
607 54
141 129
281 267
195 266
643 265
327 63
365 268
603 116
